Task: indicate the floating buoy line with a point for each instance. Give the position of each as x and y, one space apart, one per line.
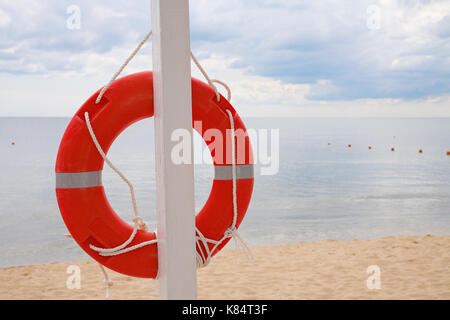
392 148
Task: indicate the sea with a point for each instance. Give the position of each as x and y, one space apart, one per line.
309 184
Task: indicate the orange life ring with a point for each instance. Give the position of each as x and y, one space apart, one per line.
81 196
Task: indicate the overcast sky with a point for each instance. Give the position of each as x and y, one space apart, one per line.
280 57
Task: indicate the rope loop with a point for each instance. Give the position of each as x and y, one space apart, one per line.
230 232
226 88
140 223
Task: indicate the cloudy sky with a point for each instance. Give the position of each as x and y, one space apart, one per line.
280 57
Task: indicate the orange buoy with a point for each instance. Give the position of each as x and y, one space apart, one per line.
349 145
13 143
420 151
370 147
448 153
392 149
81 196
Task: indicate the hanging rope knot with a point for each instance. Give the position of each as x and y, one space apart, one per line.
140 223
202 260
231 232
108 283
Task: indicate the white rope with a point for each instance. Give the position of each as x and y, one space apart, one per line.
206 76
225 86
123 66
138 221
108 282
203 258
136 50
231 231
233 163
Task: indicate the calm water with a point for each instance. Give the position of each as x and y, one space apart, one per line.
320 192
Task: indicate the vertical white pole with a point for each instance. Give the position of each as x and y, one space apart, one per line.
177 271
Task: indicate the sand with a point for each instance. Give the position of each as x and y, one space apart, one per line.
416 267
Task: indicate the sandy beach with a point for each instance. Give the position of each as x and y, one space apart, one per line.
413 267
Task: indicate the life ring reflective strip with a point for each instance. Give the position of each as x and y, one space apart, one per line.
81 196
94 178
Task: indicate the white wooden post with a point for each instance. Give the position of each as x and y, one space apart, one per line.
177 271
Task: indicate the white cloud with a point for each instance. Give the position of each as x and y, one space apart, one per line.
279 57
5 20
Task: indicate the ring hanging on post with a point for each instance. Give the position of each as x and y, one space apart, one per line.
81 197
